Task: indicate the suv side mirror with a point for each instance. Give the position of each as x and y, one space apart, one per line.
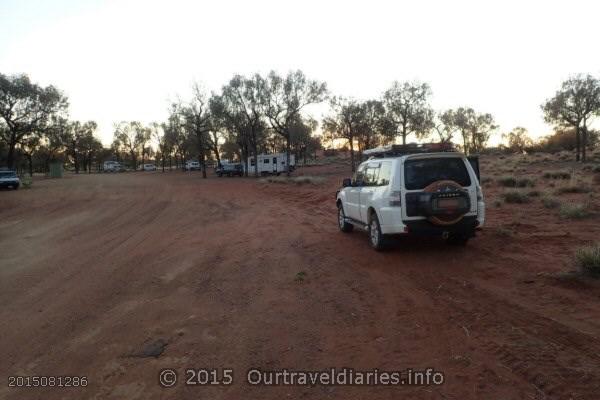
347 182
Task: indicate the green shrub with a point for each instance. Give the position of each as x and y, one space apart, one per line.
510 181
26 182
504 232
550 202
557 175
574 211
507 181
575 187
515 196
587 259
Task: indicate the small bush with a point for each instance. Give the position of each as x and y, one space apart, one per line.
507 181
575 187
533 193
596 168
497 203
574 211
515 196
26 182
504 232
510 181
557 175
550 202
587 259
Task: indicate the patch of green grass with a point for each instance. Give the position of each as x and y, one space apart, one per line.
557 175
515 197
587 259
298 180
574 211
300 276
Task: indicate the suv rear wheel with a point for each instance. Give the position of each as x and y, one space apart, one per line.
342 224
376 238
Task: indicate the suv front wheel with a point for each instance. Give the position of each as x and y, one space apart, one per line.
376 238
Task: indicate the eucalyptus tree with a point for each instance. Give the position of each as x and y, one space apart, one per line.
228 119
445 125
408 109
129 135
475 128
197 123
286 97
25 109
158 132
573 105
89 147
346 122
75 137
376 128
245 97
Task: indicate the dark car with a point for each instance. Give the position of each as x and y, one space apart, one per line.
229 169
9 179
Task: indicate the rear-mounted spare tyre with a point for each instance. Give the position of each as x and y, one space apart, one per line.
444 202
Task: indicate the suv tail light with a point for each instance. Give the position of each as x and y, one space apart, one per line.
396 199
479 193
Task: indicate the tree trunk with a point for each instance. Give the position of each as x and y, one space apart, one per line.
163 162
577 143
255 149
352 153
30 161
287 153
584 138
11 153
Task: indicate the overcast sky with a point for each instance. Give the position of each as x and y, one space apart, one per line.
124 60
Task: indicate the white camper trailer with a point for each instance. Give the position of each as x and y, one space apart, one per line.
271 164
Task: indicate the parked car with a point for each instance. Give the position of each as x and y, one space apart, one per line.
229 169
9 179
192 166
413 189
149 167
113 166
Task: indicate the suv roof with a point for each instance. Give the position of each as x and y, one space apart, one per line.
399 150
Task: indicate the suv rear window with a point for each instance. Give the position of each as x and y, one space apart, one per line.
7 174
418 174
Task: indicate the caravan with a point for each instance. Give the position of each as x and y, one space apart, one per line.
271 164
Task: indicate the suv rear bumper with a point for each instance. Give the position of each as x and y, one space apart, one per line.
423 227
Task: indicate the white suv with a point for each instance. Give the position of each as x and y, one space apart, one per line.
413 189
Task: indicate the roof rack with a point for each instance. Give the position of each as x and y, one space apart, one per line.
397 150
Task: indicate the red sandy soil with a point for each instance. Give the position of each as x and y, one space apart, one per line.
94 267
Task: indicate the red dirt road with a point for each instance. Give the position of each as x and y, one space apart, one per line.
95 267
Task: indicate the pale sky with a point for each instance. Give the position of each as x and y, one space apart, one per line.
124 60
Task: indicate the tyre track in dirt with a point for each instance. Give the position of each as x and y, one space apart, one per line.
555 359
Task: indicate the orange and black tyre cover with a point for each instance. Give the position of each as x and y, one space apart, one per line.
442 186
